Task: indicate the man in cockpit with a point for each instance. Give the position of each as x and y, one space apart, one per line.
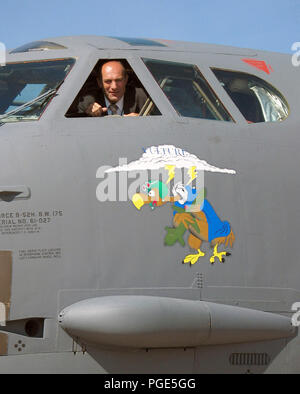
114 97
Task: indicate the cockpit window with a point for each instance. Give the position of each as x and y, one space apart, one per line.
26 88
257 100
116 94
38 46
140 42
187 90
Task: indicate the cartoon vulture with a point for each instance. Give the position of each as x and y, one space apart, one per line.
192 213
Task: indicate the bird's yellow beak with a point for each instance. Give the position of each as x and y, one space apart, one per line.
138 201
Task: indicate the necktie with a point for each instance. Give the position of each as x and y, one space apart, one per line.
114 109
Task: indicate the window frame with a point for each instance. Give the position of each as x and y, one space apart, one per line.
59 86
270 86
135 65
194 65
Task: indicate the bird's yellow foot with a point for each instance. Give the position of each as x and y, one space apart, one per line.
218 255
193 258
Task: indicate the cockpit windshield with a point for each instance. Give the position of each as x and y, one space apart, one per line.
26 88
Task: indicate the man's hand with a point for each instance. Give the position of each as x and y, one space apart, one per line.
96 109
132 114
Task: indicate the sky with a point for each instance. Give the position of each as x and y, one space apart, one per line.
260 24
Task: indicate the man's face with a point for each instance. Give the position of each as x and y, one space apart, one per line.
114 80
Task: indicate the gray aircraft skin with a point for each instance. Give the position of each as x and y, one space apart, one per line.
93 284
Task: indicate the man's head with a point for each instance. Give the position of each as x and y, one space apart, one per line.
113 80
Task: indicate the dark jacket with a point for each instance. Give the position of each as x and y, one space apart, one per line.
134 99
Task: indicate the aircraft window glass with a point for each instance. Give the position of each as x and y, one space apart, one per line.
38 46
257 100
27 88
91 92
140 41
29 91
187 90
